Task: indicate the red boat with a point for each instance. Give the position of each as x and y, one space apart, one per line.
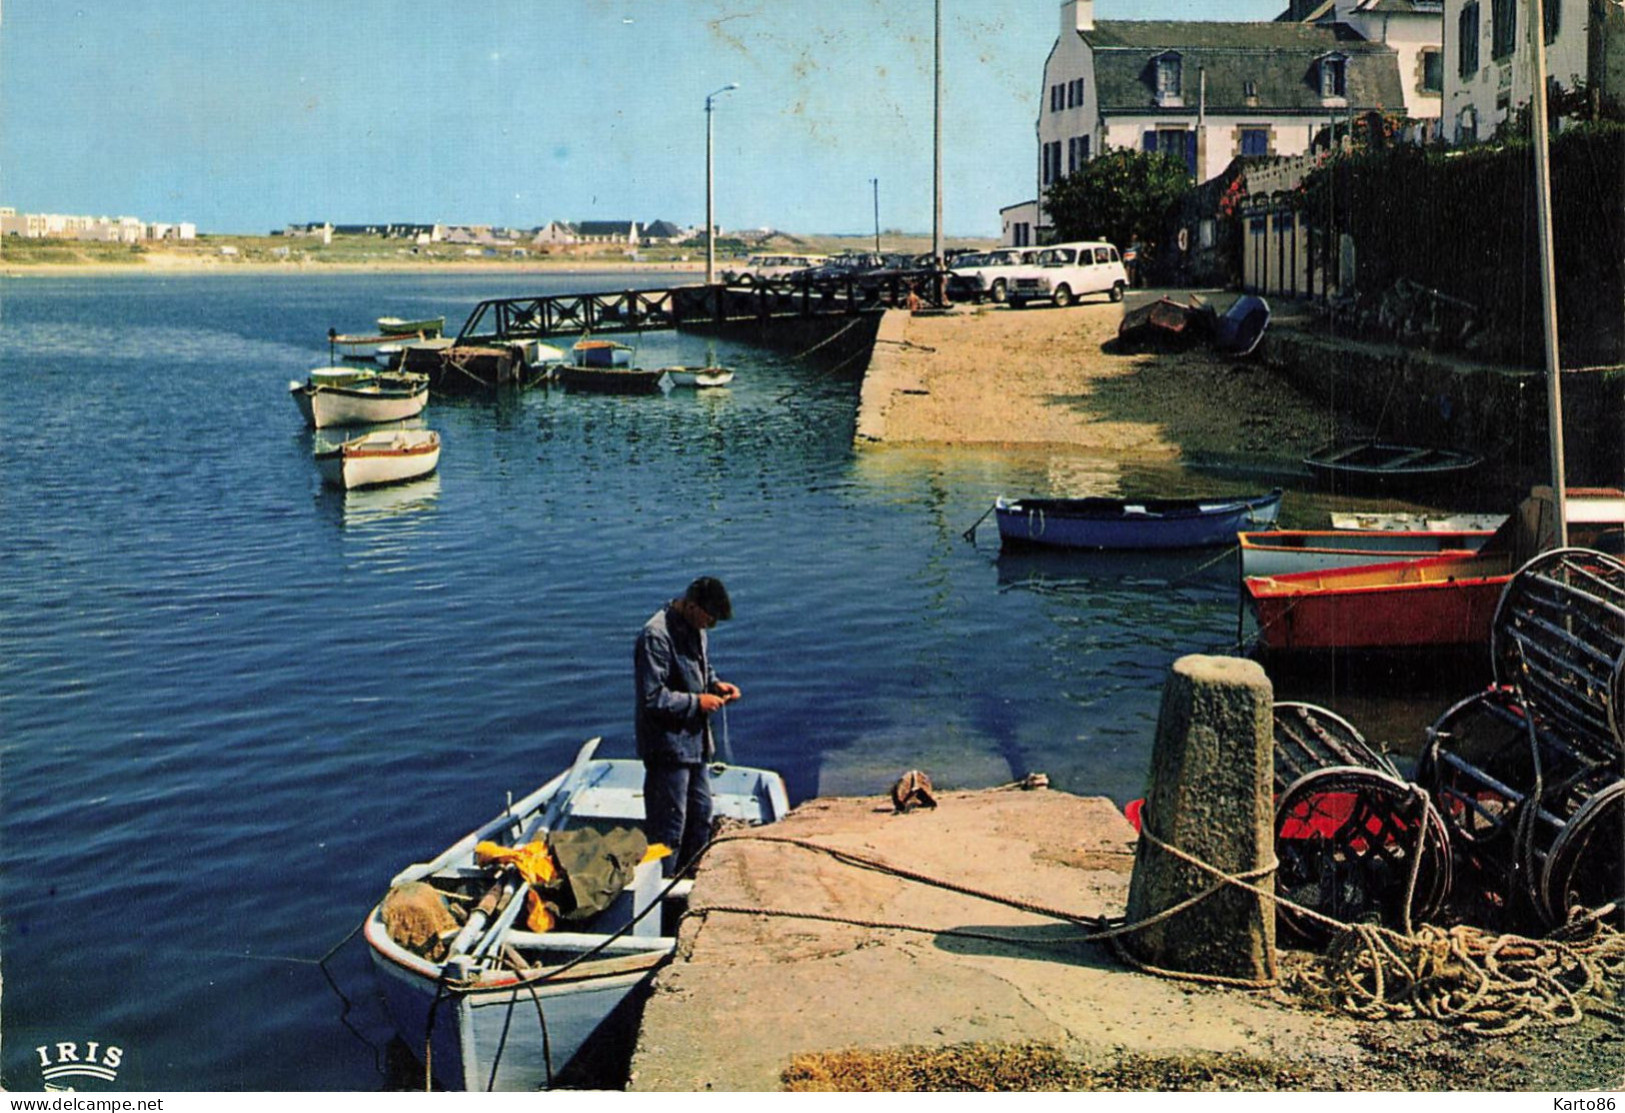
1437 601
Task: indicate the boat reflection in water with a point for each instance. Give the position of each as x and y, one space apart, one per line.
1203 571
367 506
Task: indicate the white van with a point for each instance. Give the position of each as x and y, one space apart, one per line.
1065 272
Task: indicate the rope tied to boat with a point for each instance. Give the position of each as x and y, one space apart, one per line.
970 534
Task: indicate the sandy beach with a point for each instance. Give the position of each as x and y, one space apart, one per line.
1042 377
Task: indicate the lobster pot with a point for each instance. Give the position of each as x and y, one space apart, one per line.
1350 832
1559 637
1308 738
1534 819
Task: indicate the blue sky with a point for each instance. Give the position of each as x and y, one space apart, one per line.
247 116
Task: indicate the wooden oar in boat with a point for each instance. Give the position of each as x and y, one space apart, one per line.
491 943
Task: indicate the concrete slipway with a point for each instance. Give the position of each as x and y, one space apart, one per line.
747 992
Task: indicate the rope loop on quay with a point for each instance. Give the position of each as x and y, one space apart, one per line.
1484 984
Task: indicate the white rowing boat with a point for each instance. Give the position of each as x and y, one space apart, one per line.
380 457
1281 552
700 377
332 397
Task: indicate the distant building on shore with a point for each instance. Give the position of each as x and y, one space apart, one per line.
326 230
95 229
628 233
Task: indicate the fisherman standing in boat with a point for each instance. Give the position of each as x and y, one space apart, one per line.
677 694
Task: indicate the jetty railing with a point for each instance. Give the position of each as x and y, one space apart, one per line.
507 320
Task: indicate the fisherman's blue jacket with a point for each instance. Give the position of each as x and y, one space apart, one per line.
671 669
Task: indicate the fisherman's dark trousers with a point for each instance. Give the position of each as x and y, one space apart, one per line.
677 802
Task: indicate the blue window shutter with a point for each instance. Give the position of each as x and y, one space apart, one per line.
1190 151
1151 142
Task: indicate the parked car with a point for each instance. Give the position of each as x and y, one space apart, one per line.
758 268
984 276
1065 272
838 269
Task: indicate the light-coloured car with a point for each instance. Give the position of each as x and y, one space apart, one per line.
1065 272
759 268
985 276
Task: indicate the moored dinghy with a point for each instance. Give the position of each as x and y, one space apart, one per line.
701 377
1113 523
345 396
606 367
1438 601
1374 466
422 327
380 457
1408 522
500 1008
1282 551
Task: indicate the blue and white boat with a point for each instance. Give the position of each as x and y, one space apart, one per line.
1128 523
500 1008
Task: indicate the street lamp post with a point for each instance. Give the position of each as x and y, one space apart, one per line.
936 144
875 182
710 193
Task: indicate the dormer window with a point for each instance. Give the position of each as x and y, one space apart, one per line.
1334 76
1170 78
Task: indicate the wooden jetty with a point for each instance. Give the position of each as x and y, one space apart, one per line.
489 349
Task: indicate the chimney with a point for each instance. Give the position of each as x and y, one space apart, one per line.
1077 15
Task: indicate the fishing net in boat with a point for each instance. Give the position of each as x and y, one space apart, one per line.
417 917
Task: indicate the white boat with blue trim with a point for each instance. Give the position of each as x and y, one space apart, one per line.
488 1005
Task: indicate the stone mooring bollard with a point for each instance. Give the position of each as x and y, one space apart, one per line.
1210 796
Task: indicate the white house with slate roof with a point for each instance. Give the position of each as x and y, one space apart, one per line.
1414 28
1209 91
1488 63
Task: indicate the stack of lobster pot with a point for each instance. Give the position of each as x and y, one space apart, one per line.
1530 775
1356 842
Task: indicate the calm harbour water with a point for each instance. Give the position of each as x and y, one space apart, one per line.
233 703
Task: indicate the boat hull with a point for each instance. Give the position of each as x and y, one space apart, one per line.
1240 330
1368 521
1379 468
378 459
613 380
1126 524
326 407
493 1039
699 377
1435 602
423 327
1284 552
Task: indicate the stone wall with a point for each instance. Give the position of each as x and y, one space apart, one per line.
1413 396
